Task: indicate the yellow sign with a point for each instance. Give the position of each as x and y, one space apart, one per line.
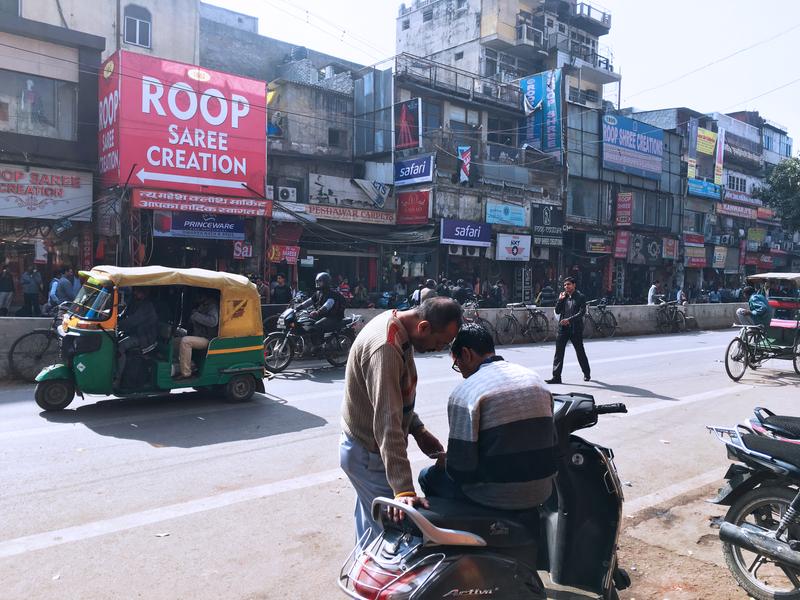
706 141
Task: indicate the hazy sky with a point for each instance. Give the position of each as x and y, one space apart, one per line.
653 42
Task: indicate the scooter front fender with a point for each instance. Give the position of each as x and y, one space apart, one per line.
59 371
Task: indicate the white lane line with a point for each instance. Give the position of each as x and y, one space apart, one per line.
671 492
662 404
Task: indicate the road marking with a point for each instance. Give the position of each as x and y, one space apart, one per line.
662 404
671 492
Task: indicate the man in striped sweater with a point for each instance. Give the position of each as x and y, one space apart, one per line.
378 408
501 449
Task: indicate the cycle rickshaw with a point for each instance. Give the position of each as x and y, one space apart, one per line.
755 344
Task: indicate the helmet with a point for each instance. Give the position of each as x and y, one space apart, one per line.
430 283
322 281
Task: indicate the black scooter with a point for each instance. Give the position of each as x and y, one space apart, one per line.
460 550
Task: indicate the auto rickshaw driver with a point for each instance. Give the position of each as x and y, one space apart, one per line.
138 327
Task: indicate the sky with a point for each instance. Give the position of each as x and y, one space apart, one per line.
653 43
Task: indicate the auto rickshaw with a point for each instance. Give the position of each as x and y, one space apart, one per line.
233 363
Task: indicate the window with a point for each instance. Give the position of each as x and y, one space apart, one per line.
9 7
336 138
137 26
431 115
638 208
737 184
406 24
561 28
427 15
501 131
459 55
767 142
32 105
549 22
461 4
583 199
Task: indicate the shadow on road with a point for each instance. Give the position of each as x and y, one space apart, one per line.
628 391
188 420
318 374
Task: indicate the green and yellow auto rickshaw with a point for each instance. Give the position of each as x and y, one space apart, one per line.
232 364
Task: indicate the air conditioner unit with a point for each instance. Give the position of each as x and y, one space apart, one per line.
455 250
473 251
287 194
726 240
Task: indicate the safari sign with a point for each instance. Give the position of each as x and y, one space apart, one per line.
175 126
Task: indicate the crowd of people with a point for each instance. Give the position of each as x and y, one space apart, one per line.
39 298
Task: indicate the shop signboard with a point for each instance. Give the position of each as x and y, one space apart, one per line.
670 248
513 247
766 261
695 257
632 147
242 250
414 208
644 250
720 154
220 205
541 96
736 210
465 160
704 189
466 233
720 257
622 241
548 225
413 170
751 259
408 124
599 244
36 193
182 127
756 234
328 190
766 214
279 253
694 239
87 250
197 225
352 215
624 209
706 141
502 213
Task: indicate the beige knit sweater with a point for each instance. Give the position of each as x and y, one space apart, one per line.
380 390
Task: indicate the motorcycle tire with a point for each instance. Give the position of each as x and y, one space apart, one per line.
738 564
338 348
277 354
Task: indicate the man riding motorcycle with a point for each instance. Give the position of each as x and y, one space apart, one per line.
328 307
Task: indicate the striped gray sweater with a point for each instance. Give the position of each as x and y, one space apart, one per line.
501 447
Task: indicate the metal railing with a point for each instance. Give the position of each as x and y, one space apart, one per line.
586 9
530 36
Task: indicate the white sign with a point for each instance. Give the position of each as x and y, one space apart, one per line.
34 193
242 250
340 192
513 247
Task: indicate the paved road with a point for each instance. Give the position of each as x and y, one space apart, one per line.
188 497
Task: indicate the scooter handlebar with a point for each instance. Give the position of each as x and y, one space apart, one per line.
607 409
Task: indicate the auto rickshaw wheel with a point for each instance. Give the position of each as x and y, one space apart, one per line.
54 394
240 388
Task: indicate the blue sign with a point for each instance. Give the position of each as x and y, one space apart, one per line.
632 147
466 233
505 214
197 225
413 170
704 189
541 97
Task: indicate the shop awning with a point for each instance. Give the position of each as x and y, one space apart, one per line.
370 234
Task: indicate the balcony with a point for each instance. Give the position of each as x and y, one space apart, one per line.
591 18
430 75
596 67
530 37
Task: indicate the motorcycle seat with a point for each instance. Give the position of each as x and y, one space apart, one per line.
780 450
783 425
500 528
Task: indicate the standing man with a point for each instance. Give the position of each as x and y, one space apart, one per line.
281 292
651 293
6 291
67 290
378 408
570 308
31 287
429 291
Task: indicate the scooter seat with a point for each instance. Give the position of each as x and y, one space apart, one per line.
787 452
500 528
783 425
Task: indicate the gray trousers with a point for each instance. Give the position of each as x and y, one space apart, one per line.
743 317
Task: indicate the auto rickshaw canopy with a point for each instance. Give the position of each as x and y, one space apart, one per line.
240 302
795 277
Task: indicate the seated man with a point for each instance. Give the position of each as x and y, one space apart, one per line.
139 328
205 325
501 448
758 311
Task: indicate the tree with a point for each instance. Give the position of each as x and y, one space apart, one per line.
782 193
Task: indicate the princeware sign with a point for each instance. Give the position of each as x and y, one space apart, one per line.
182 127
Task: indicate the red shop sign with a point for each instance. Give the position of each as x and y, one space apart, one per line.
621 243
278 253
765 260
183 127
220 205
413 208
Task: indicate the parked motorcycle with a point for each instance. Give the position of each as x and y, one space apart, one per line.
462 550
295 337
761 531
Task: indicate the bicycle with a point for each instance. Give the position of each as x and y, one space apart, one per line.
471 316
536 328
37 349
605 323
669 318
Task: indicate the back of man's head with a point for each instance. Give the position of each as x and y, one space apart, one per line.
748 291
440 312
474 337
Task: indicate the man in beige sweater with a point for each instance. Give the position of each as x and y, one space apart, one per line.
378 407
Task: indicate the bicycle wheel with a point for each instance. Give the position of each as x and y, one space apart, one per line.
736 358
589 327
663 322
537 327
679 321
32 352
608 324
507 329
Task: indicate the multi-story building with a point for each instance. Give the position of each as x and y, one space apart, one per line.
48 143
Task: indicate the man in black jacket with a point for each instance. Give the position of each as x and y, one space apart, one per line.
327 306
570 308
139 327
